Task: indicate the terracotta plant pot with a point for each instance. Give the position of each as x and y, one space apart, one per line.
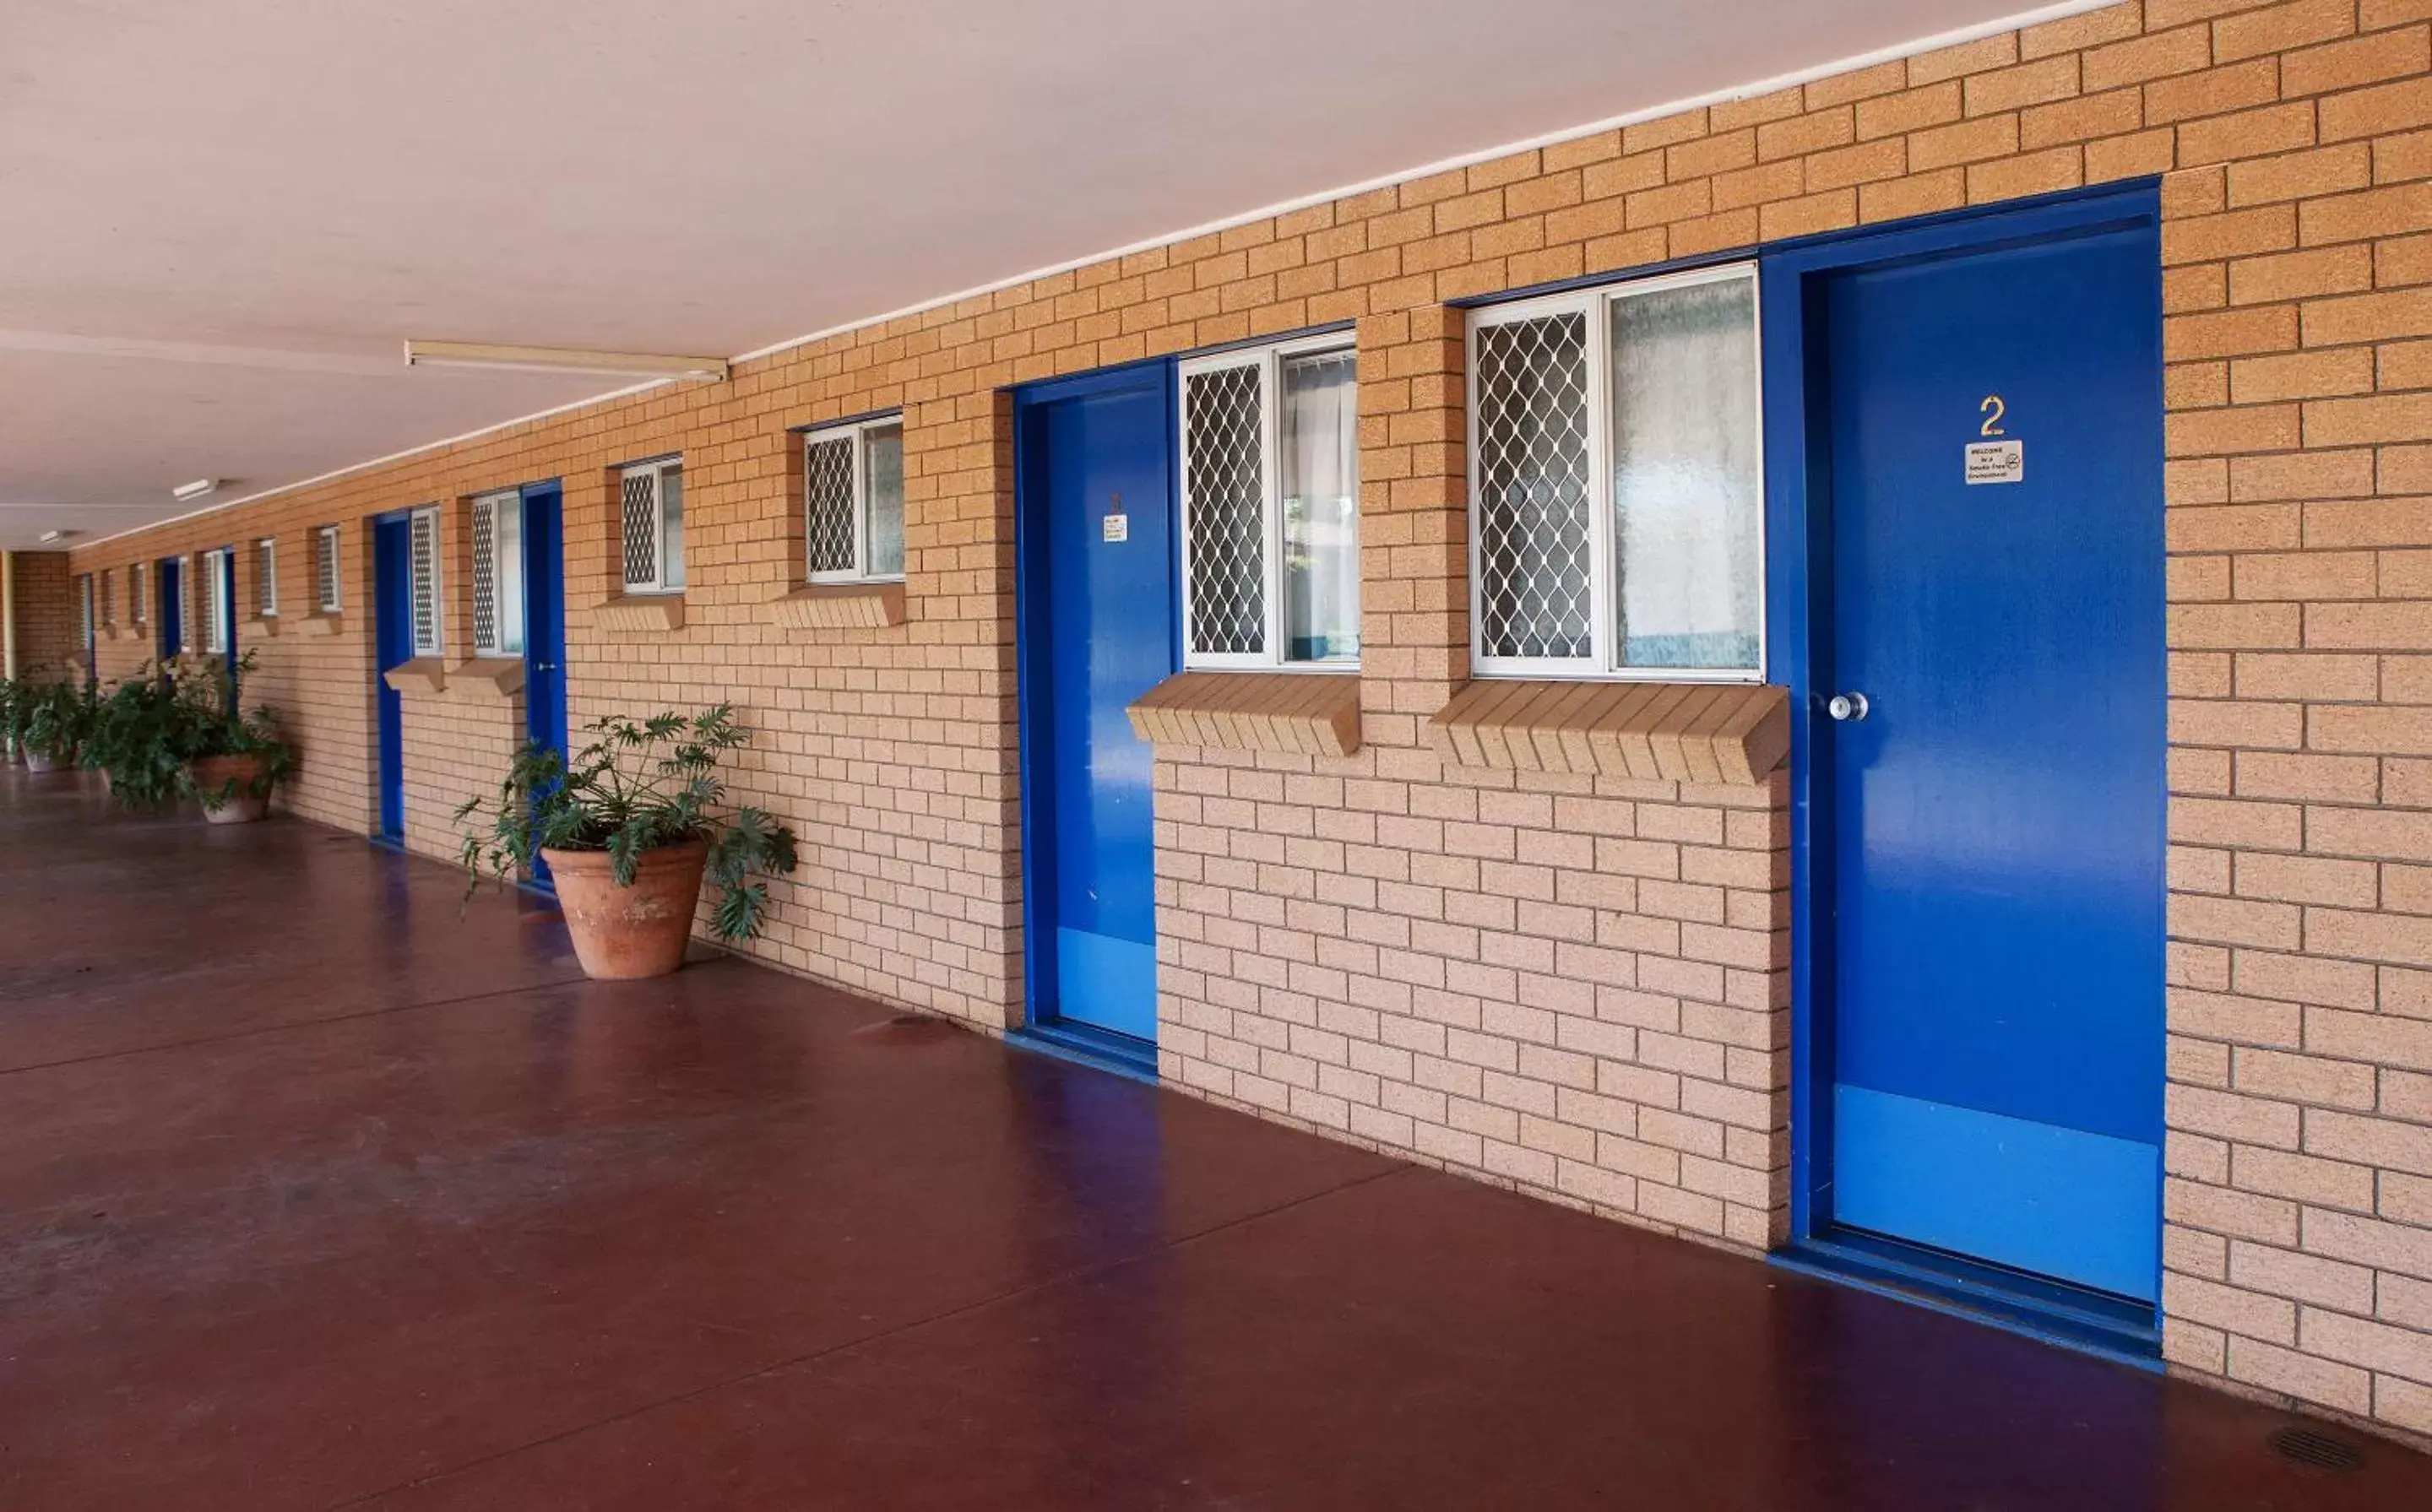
213 773
624 933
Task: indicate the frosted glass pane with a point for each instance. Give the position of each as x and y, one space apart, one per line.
1320 489
508 531
883 460
671 563
1687 485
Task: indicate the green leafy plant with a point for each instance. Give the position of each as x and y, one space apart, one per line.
55 718
13 695
635 786
150 728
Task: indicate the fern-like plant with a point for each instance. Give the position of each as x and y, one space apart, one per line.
635 786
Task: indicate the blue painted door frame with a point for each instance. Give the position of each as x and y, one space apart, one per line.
1800 283
392 645
1097 623
225 585
544 568
169 576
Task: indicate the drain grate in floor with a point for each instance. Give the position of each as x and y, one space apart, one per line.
2316 1450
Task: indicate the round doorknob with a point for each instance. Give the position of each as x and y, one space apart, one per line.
1847 706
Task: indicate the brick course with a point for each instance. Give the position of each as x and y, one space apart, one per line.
1575 985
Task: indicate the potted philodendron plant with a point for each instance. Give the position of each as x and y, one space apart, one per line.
161 738
56 720
629 827
13 695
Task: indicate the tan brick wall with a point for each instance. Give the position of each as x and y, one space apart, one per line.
45 603
1570 984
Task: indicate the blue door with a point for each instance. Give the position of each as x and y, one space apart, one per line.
1990 823
544 573
392 645
1099 627
172 618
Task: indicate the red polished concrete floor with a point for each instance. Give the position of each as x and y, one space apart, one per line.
314 1194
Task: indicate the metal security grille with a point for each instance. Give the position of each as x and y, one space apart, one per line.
265 578
135 607
641 520
424 566
1534 576
485 575
1226 480
828 507
215 601
84 611
109 596
324 568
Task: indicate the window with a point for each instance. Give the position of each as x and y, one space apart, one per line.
217 610
84 614
1271 507
1617 491
324 568
652 497
265 578
853 502
498 574
108 596
423 578
135 607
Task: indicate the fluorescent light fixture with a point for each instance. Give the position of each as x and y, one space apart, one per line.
199 488
54 537
560 359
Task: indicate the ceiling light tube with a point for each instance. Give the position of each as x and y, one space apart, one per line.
199 488
560 359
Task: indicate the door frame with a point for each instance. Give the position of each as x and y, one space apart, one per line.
551 647
388 769
1030 643
169 612
1798 590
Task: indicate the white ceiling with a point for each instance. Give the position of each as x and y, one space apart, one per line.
218 220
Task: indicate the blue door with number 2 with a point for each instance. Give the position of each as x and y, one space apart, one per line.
1988 750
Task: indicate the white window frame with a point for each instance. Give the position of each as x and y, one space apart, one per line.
1602 663
219 612
138 587
1269 360
499 567
87 612
265 578
857 432
328 593
660 467
418 519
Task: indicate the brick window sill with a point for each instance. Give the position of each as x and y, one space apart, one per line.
1307 714
1734 734
487 679
261 626
840 606
642 613
422 675
320 624
111 633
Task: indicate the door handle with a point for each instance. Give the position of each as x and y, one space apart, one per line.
1846 708
543 666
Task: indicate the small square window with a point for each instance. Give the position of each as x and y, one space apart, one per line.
853 502
651 513
1617 490
324 569
1271 507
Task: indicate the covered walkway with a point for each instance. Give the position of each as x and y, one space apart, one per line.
314 1194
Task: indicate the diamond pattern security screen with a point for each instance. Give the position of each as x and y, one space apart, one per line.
424 564
109 596
216 602
265 578
324 568
135 607
485 576
1224 485
641 522
84 611
1534 589
828 506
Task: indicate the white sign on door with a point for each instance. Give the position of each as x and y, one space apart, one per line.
1997 462
1115 528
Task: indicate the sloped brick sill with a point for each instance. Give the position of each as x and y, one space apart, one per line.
1307 713
1657 731
642 613
320 625
424 674
488 677
260 626
111 633
841 605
